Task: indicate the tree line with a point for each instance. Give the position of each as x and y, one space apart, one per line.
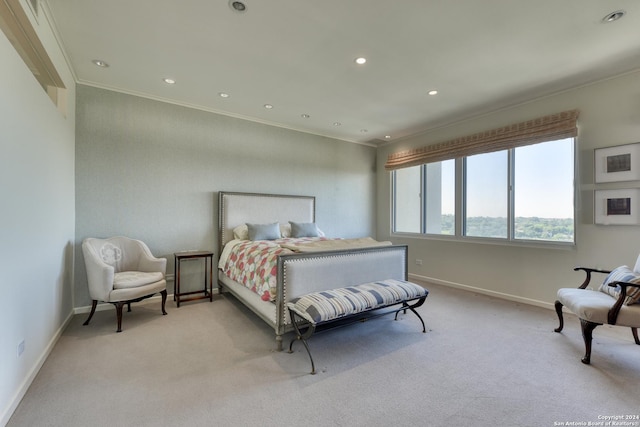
527 228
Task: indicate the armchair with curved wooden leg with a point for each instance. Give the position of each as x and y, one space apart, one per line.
615 302
120 271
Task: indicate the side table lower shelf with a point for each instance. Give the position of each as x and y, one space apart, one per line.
207 292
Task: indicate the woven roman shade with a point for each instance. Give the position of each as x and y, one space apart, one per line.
543 129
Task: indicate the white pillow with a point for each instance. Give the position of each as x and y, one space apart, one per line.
241 232
285 230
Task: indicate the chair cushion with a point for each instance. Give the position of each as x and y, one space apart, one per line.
622 274
587 304
134 279
594 306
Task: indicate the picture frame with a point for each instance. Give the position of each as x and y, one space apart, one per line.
617 207
618 163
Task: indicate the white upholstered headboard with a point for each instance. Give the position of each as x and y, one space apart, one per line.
241 208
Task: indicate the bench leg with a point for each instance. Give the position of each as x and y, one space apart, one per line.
634 331
312 327
412 307
302 337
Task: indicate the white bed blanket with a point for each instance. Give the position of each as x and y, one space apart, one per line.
315 246
334 244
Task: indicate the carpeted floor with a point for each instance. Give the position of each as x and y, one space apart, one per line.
483 362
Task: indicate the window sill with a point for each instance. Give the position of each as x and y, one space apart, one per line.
488 241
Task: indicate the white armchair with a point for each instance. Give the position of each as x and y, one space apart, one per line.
615 302
120 271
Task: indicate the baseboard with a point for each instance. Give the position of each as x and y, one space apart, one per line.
488 292
22 390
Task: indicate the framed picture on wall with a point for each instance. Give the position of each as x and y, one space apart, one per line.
619 163
617 207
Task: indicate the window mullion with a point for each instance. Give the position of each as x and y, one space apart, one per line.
461 189
511 195
423 199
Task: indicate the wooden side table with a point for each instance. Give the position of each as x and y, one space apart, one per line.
207 292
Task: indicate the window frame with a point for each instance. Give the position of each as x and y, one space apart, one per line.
422 205
460 207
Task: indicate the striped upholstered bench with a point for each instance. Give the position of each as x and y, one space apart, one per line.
323 308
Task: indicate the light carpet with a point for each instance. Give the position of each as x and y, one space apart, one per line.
483 362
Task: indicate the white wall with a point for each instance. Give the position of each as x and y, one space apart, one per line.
36 218
609 115
152 171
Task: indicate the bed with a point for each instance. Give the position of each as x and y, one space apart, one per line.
298 273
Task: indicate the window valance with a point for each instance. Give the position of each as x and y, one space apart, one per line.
548 128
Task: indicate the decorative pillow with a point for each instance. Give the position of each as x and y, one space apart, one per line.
622 274
304 229
285 230
241 232
264 231
110 254
633 294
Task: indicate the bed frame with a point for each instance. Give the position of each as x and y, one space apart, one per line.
300 273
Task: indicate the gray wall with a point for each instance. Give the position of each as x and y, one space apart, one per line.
609 115
152 170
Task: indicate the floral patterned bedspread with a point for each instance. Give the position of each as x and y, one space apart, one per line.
254 264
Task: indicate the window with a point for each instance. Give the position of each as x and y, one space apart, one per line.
435 212
486 195
440 198
544 191
407 206
520 194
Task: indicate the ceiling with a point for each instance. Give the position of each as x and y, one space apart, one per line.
299 56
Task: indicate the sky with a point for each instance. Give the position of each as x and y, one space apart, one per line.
544 176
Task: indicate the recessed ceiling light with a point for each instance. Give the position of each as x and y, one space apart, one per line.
361 60
100 63
337 124
387 137
268 106
305 116
364 130
237 6
433 92
223 95
614 16
169 81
